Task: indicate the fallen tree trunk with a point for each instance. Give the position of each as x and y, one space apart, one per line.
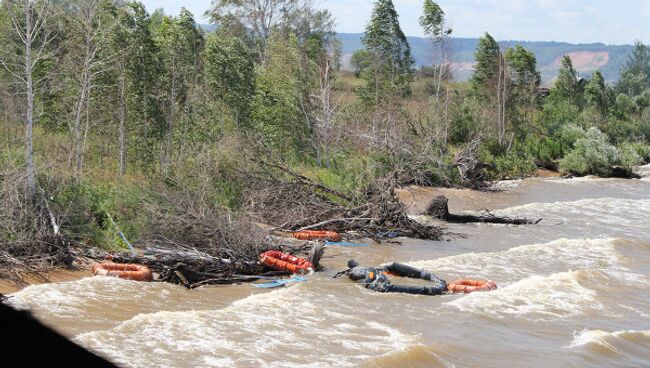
439 208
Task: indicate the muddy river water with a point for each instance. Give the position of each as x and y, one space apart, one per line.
574 291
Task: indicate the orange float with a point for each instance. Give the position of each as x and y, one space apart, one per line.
332 236
134 272
285 262
465 286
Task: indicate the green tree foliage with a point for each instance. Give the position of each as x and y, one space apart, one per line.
567 86
359 61
433 20
594 155
597 94
487 65
524 82
390 68
279 101
179 42
230 72
624 106
143 69
523 64
635 75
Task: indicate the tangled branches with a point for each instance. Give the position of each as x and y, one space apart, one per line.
381 215
470 170
291 202
29 239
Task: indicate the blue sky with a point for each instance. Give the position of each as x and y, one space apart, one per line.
577 21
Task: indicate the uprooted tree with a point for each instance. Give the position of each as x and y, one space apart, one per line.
439 208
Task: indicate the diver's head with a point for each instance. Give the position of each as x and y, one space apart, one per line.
352 263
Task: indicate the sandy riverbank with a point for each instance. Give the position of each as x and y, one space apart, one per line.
37 278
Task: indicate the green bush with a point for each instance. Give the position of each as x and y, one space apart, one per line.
84 207
624 130
641 149
594 155
544 149
556 114
465 125
516 163
628 157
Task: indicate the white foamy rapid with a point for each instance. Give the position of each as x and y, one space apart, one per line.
515 263
75 298
610 340
597 217
503 185
538 281
559 295
283 328
644 171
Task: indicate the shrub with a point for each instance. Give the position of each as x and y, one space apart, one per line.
594 155
641 149
628 157
569 135
544 149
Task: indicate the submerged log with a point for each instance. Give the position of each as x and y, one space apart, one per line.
439 208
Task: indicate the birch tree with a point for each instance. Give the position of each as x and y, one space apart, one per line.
89 59
29 21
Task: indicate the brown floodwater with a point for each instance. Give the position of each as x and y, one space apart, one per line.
573 292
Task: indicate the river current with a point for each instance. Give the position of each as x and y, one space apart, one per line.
573 292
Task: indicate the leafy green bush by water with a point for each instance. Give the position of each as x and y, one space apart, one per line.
594 155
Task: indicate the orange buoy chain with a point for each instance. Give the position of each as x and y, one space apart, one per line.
134 272
332 236
466 286
285 262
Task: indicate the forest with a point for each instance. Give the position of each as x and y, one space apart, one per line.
120 123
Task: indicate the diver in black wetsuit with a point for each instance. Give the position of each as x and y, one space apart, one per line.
376 279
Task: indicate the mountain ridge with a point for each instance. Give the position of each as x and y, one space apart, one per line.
587 58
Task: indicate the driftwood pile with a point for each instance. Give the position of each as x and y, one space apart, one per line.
290 201
439 208
193 268
470 170
382 214
29 236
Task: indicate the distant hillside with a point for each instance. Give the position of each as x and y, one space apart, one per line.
586 57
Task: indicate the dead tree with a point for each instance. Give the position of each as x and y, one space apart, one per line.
29 20
439 208
89 61
327 108
470 169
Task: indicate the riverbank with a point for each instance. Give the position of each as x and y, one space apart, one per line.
38 278
415 198
568 296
